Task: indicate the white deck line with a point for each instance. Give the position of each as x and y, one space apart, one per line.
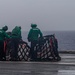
49 63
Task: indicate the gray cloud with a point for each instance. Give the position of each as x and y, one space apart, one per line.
47 14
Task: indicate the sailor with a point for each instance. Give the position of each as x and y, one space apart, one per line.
15 39
3 35
33 36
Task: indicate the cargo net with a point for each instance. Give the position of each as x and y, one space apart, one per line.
23 51
45 49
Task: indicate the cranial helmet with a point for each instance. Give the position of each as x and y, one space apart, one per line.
33 25
20 27
5 28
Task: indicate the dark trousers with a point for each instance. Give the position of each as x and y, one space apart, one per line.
2 53
33 52
14 48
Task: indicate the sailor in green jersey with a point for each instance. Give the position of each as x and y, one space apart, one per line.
15 38
3 35
16 32
34 33
33 36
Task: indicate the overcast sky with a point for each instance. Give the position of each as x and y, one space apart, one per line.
47 14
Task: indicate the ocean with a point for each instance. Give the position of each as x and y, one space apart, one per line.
66 39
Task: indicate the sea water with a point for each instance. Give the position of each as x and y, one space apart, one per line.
66 39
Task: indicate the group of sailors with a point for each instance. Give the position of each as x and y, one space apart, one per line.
16 37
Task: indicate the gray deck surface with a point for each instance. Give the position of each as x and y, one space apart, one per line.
64 67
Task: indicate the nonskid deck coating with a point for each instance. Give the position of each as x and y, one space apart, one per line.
64 67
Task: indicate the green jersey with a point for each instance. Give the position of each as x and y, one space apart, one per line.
34 34
3 35
16 32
